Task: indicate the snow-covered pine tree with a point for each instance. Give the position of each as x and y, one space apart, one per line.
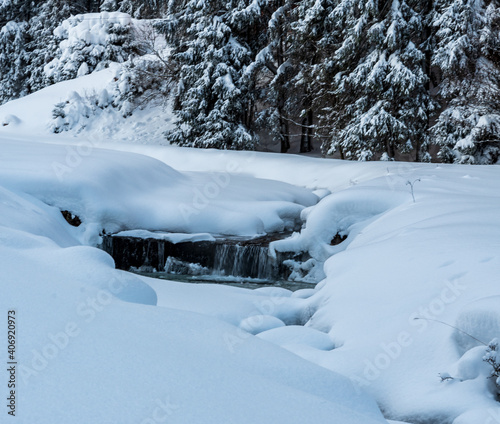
310 49
14 60
377 102
210 99
87 44
109 6
43 44
14 55
273 70
17 10
467 56
28 43
85 6
143 9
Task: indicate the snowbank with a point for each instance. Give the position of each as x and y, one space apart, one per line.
92 338
114 191
406 275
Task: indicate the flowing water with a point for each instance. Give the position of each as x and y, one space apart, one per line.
246 283
244 261
236 262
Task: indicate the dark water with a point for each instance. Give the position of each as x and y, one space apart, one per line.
246 259
246 283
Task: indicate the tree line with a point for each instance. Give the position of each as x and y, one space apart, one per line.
363 79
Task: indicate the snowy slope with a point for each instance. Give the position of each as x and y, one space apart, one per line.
33 114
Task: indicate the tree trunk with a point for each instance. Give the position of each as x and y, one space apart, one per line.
310 119
303 137
306 133
285 135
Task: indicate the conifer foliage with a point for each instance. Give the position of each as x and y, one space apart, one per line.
468 60
211 99
370 79
372 90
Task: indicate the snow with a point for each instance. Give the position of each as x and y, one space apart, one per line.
105 330
77 351
84 119
114 191
256 324
43 101
90 29
293 336
171 237
375 331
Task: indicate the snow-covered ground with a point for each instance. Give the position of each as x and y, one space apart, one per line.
102 345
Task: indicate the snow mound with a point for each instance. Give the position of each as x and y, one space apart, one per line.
259 323
344 213
480 319
25 213
113 192
471 366
12 120
338 216
294 336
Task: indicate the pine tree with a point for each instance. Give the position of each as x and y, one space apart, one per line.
377 102
14 60
210 100
43 44
468 61
17 11
141 9
273 70
311 48
14 55
79 53
109 6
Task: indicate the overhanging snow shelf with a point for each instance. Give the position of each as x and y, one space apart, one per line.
197 254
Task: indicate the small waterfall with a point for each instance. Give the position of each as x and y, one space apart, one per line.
223 257
244 261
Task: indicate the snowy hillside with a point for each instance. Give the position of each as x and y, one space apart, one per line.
83 116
